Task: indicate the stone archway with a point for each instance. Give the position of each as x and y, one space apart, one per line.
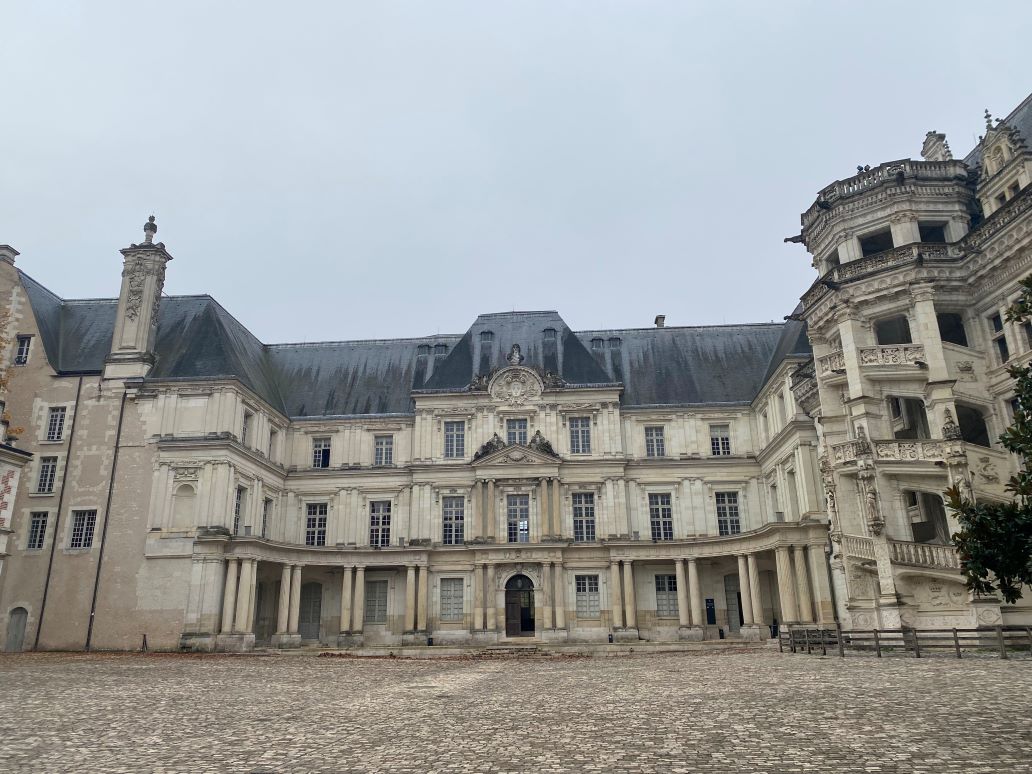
519 607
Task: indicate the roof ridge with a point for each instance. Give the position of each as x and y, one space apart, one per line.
681 327
432 337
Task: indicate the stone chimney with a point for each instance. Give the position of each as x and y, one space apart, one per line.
660 320
136 322
8 254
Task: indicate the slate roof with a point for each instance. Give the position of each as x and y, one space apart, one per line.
1020 118
198 339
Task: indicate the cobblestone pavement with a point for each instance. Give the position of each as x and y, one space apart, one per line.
748 712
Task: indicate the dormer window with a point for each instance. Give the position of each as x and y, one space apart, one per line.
486 337
440 349
423 350
615 342
550 334
597 343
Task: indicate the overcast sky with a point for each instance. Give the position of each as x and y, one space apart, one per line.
345 170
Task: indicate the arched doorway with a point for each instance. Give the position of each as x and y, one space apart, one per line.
519 607
310 611
16 630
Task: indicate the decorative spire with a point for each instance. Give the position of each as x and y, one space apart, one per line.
150 228
988 119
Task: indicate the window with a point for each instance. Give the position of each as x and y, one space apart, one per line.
951 328
1027 328
55 423
454 440
320 452
661 517
37 531
453 515
83 524
21 356
729 521
598 343
245 429
486 337
654 444
47 473
583 517
587 596
973 428
550 334
376 602
440 349
516 431
999 338
893 330
932 233
315 524
238 509
518 516
878 242
451 599
720 440
666 596
266 512
422 350
383 450
380 523
273 440
580 435
615 342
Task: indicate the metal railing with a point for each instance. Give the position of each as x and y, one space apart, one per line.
1001 641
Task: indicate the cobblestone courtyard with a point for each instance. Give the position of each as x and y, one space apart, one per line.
754 712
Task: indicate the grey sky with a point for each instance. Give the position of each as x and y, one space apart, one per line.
349 170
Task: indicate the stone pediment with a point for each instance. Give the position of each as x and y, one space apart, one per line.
516 454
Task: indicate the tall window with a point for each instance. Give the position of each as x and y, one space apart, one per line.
516 431
999 338
315 525
583 517
518 514
451 599
56 423
587 596
580 435
37 531
83 524
666 596
454 440
661 517
376 602
320 452
380 523
266 513
383 447
245 430
47 473
720 440
655 446
453 513
729 521
238 509
21 356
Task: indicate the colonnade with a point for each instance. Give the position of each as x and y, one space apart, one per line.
484 520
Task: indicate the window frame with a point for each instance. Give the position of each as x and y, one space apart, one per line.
998 338
266 512
316 517
46 465
517 528
661 516
321 447
383 450
371 613
56 418
82 529
580 434
36 538
452 606
454 439
655 441
380 523
587 597
730 521
720 445
517 433
238 508
583 510
23 347
453 520
666 597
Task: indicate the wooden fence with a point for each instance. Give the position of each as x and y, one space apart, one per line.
1002 641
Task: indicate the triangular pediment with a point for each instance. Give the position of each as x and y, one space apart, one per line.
516 454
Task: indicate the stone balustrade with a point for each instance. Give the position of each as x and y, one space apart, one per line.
924 555
833 361
858 547
889 451
892 355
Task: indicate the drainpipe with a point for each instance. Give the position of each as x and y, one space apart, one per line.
57 520
107 518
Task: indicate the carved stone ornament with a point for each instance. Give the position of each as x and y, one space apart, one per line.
479 383
987 471
494 444
553 381
137 275
515 386
950 429
185 473
515 357
539 443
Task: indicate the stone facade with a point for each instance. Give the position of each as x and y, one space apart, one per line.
522 480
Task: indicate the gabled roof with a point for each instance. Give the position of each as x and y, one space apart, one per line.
1020 118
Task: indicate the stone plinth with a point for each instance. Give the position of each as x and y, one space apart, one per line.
286 641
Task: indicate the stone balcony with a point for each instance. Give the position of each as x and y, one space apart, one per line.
887 259
877 359
804 387
890 451
930 556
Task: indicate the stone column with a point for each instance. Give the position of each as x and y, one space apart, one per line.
283 614
557 507
559 581
478 597
615 597
410 599
345 601
243 600
754 589
358 608
546 595
821 586
544 508
476 506
491 599
745 590
786 585
927 331
630 607
683 612
695 592
295 597
424 586
492 511
803 582
252 597
229 594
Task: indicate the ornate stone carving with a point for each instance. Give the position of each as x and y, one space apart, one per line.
987 471
553 381
515 386
515 357
901 354
871 506
950 429
495 443
137 275
479 383
539 443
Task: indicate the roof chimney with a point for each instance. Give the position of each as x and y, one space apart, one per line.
8 253
660 320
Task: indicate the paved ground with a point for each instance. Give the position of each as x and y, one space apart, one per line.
754 712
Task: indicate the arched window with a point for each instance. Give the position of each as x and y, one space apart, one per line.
973 428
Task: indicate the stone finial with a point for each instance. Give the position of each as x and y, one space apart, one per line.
935 147
988 119
950 429
150 228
